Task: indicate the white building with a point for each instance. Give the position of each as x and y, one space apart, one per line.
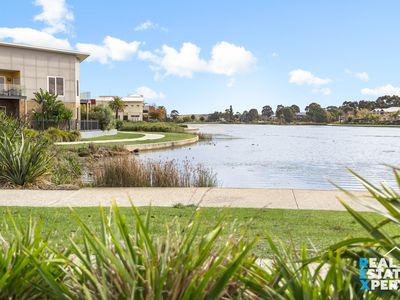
134 106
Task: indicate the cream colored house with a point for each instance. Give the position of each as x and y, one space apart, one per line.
134 106
26 69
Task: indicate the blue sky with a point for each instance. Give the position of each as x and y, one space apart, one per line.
204 56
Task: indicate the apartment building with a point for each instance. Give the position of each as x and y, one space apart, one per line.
25 70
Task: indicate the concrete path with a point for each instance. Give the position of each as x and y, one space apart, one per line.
207 197
147 136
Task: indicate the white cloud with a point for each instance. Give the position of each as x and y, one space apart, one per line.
382 90
361 75
301 77
226 59
56 14
33 37
274 54
112 49
149 93
148 25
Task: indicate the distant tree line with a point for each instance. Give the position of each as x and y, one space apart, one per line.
349 112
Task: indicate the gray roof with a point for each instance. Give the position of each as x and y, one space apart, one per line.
80 55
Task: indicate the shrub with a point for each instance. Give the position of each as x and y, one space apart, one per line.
104 115
23 161
58 135
119 124
152 126
129 172
67 169
11 126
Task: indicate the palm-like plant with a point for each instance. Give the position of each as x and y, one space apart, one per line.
117 104
49 104
23 161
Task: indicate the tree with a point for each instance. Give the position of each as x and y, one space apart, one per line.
214 117
288 114
285 113
202 119
334 113
174 114
104 115
117 104
51 109
295 108
193 117
253 115
316 113
267 111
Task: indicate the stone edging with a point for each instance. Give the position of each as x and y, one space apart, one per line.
162 145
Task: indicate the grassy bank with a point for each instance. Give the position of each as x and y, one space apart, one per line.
153 126
168 137
118 136
315 228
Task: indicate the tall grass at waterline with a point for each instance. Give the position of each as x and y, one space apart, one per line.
130 172
204 136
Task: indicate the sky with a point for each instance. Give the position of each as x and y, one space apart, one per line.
202 56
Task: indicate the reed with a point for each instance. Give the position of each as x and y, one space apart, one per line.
131 172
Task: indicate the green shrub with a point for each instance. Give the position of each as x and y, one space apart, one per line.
152 126
119 124
58 135
67 169
11 126
104 115
29 269
83 151
23 161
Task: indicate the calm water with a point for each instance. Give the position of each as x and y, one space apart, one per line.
293 156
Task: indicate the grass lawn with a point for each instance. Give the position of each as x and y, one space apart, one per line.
118 136
315 228
168 137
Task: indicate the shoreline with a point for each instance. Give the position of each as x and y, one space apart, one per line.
161 145
300 124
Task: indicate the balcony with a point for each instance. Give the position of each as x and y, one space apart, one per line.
12 91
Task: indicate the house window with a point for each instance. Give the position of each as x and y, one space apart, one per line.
55 85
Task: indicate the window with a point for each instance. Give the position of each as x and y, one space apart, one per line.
55 85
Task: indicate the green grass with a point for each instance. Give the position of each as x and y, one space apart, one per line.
168 137
316 228
118 136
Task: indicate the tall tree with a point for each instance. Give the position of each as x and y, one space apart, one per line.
316 113
253 115
295 108
267 111
117 105
174 114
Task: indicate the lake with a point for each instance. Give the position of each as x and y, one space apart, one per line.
304 157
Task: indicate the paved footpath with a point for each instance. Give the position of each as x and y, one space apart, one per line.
206 197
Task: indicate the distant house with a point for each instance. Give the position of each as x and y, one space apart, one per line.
25 70
133 110
389 110
134 106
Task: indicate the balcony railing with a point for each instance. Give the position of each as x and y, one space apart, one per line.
11 90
